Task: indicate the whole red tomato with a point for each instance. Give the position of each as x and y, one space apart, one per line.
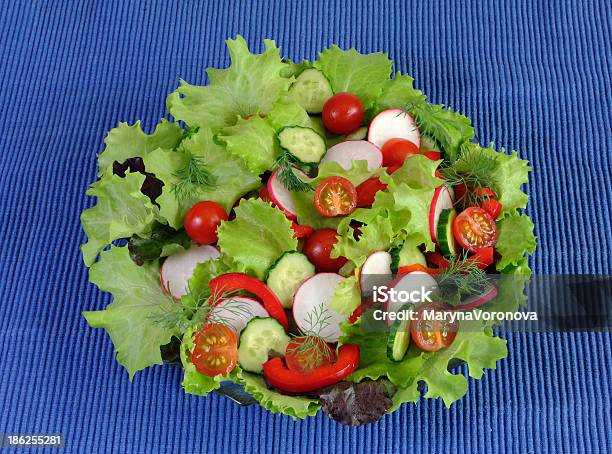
318 248
343 113
202 220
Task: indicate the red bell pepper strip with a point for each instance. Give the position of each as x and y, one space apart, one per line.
232 282
483 257
355 314
301 231
435 258
280 377
366 191
416 267
433 155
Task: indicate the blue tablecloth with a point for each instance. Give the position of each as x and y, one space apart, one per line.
533 75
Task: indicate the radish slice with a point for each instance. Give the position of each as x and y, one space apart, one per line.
478 300
312 298
344 153
178 268
281 196
376 270
442 200
410 282
393 124
237 312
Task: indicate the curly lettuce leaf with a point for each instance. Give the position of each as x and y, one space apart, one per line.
120 212
127 141
294 406
253 141
397 93
287 112
347 295
230 175
363 75
251 85
258 236
515 238
449 129
139 302
479 350
375 236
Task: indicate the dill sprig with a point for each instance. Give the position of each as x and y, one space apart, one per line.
461 278
192 177
473 169
284 164
312 347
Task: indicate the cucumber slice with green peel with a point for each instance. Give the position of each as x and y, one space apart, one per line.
399 337
260 337
311 90
446 239
303 143
407 254
286 275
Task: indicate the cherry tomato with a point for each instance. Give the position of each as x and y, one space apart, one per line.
216 349
432 335
366 191
491 206
395 151
335 196
474 229
318 248
317 353
343 113
202 220
264 194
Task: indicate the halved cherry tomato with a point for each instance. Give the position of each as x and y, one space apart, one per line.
366 191
202 220
335 196
432 335
395 151
216 349
483 257
433 155
301 231
302 359
318 248
474 229
491 206
343 113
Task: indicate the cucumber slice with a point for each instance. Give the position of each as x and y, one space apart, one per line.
446 239
399 337
303 143
406 255
311 90
287 274
258 339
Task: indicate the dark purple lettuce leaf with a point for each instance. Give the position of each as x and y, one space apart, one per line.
151 187
354 404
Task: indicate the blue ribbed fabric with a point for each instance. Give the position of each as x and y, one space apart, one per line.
533 74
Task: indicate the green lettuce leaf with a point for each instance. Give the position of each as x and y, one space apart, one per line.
249 86
514 239
127 141
294 406
253 141
120 212
132 320
231 177
347 295
377 235
449 129
364 75
397 93
258 236
287 112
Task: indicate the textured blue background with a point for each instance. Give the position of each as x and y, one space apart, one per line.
534 75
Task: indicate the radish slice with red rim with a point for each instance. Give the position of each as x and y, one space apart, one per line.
178 268
237 311
281 196
442 200
344 153
393 124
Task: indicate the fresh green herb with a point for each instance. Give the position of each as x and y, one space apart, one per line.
191 178
284 164
163 241
473 169
462 278
311 346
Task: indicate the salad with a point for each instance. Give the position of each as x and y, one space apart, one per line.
242 236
